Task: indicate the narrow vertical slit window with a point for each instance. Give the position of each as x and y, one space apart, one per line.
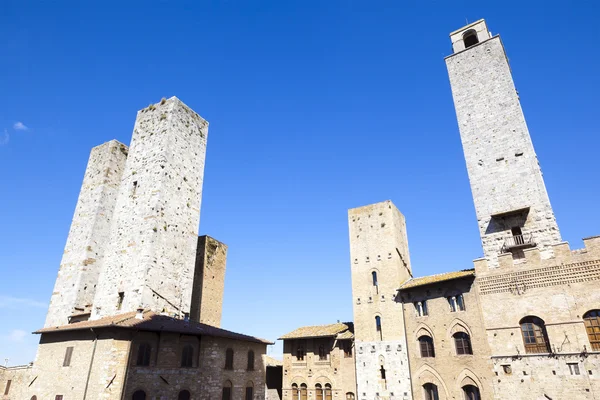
68 354
120 300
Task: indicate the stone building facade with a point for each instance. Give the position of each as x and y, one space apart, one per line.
319 364
380 263
133 270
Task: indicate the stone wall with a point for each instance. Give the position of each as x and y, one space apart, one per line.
503 168
209 281
378 245
20 377
151 253
560 291
83 255
338 370
448 370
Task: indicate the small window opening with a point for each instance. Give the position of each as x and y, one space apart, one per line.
574 368
68 354
120 301
382 372
300 353
378 326
7 389
229 359
135 185
470 38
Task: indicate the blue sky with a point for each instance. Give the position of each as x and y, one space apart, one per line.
314 108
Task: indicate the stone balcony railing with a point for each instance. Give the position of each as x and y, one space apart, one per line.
518 242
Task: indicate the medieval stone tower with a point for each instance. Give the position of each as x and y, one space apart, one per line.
380 262
511 202
133 242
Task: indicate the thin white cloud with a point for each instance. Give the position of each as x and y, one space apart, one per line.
17 302
17 335
19 126
4 138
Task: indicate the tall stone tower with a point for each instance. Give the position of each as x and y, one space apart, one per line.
75 285
380 263
511 202
150 257
209 281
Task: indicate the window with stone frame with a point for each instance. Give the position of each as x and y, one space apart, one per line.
303 392
249 391
187 356
471 392
68 355
470 38
319 391
327 391
229 358
250 366
535 337
143 354
456 303
295 392
591 321
226 391
426 346
431 391
421 308
462 342
574 368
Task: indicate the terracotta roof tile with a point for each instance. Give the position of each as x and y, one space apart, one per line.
427 280
340 329
156 323
273 362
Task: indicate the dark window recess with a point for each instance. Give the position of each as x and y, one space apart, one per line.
139 395
471 392
143 355
426 345
60 397
382 372
250 360
322 353
347 346
226 393
7 389
462 342
184 395
300 352
378 326
120 300
187 356
68 354
229 359
249 392
470 38
431 391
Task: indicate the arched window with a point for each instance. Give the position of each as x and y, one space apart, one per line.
303 391
592 326
184 395
187 356
349 396
426 345
139 395
250 360
295 392
226 391
249 391
319 390
374 276
471 392
470 38
534 333
229 358
378 326
462 341
33 398
143 355
327 391
431 391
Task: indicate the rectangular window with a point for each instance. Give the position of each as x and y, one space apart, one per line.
421 308
249 393
347 346
68 354
452 303
226 393
58 397
460 302
8 382
120 301
574 368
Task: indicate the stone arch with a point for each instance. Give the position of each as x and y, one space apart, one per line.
423 329
428 374
468 377
458 325
322 379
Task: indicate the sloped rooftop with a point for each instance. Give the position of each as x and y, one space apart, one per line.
273 362
427 280
153 322
340 330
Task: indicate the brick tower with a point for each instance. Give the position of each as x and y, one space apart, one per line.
150 257
380 263
511 202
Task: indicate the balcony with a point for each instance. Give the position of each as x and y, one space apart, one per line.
517 242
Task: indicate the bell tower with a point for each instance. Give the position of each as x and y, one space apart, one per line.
512 205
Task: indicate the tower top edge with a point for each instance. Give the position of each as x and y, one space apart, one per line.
365 208
467 26
170 101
